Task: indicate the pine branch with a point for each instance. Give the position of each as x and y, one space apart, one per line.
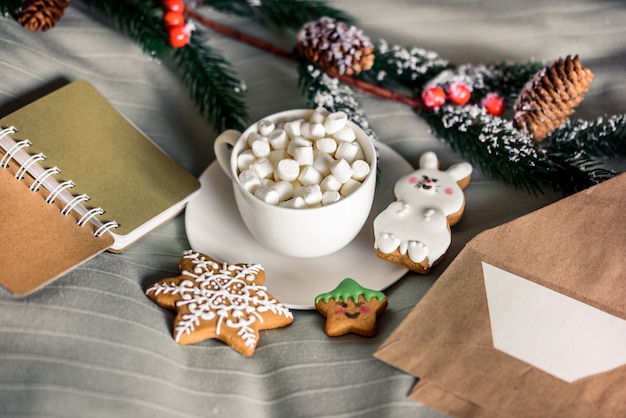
509 79
604 137
139 19
210 78
282 14
399 67
507 154
11 8
293 14
212 84
322 90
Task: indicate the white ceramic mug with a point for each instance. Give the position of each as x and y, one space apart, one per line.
305 232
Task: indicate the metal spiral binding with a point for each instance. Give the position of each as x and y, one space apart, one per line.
106 227
18 145
75 201
43 176
26 163
68 184
24 167
90 214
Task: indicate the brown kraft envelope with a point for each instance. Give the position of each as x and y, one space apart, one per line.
576 247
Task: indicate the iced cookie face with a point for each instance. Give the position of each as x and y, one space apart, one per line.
434 188
351 308
415 229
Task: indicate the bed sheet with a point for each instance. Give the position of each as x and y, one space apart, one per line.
92 344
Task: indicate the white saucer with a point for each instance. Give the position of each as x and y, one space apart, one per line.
215 228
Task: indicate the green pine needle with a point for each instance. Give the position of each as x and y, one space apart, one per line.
212 84
397 67
11 8
322 90
604 137
509 155
282 14
210 79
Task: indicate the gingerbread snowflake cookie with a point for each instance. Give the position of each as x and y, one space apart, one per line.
414 230
214 299
351 308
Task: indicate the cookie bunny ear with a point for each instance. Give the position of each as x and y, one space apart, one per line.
461 172
429 160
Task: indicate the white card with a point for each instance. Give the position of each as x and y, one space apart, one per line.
553 332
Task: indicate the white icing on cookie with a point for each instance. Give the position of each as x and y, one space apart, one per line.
416 223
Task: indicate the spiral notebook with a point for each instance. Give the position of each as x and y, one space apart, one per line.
78 178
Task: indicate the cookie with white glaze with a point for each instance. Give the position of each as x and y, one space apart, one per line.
414 230
214 299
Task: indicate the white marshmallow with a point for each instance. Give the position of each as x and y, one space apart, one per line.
296 142
345 134
319 115
335 121
268 182
260 148
278 139
277 155
330 196
303 155
267 194
312 130
265 127
327 145
262 167
360 170
244 159
322 163
249 180
287 169
312 194
255 136
284 190
292 128
347 151
330 182
309 175
341 170
349 187
359 154
295 203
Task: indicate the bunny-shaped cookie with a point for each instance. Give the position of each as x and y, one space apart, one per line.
414 230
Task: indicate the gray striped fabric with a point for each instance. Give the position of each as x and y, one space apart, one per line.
92 345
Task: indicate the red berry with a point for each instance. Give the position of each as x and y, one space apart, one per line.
174 5
494 104
179 36
434 97
459 93
174 19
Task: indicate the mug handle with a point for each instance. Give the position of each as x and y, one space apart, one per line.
223 148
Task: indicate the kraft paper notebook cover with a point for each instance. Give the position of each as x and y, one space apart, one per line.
529 320
89 161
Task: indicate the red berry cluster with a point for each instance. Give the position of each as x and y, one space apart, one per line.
174 18
460 94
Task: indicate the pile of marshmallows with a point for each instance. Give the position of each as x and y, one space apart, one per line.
303 163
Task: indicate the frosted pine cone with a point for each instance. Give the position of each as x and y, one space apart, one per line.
41 15
550 97
335 45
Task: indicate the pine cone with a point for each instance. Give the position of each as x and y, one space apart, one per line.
41 15
550 97
334 45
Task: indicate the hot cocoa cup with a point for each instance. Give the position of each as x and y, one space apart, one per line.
303 180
